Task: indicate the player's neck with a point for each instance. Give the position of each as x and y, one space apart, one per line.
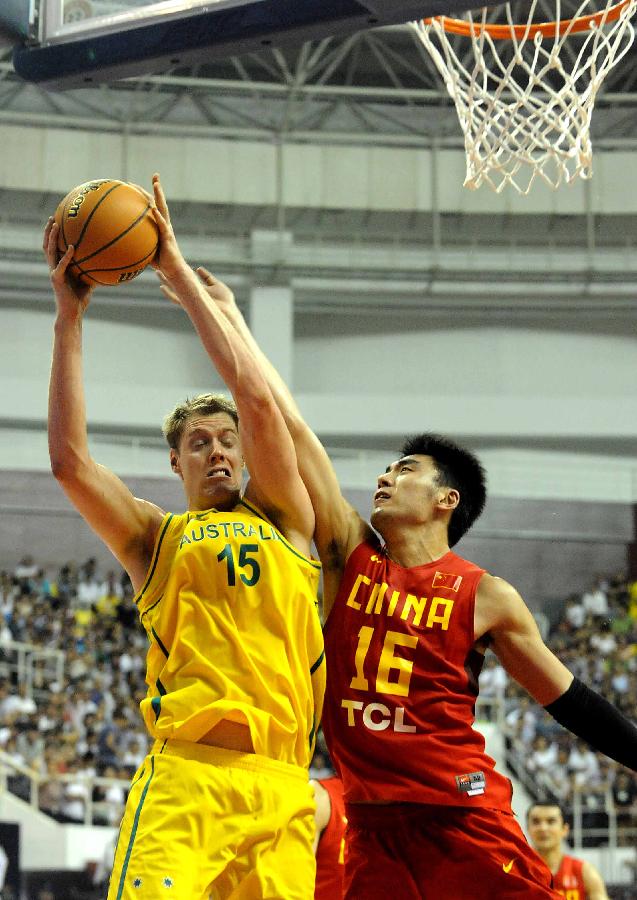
415 547
225 502
553 858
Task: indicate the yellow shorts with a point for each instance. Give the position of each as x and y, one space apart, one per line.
202 823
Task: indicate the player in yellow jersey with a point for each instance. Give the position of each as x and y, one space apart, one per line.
222 805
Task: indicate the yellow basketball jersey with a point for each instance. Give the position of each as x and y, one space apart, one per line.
230 609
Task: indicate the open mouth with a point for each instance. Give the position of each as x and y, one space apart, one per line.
380 495
218 472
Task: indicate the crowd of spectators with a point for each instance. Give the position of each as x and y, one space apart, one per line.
595 636
87 723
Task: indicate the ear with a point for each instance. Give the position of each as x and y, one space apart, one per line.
175 465
449 499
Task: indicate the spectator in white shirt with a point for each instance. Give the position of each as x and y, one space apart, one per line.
543 757
493 678
557 780
575 613
603 641
522 721
584 766
19 703
595 601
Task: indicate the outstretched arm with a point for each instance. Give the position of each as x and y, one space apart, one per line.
339 528
502 614
267 445
126 525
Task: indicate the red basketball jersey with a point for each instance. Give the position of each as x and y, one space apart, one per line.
568 880
330 853
402 679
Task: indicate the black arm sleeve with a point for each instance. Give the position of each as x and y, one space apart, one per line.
599 723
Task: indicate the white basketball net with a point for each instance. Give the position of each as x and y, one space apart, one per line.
525 116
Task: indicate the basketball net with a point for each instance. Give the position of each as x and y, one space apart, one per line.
523 101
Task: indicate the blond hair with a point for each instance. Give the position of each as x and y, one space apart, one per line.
202 404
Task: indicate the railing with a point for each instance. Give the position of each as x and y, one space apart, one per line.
584 834
33 665
29 785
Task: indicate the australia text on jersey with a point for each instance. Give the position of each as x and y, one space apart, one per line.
213 530
394 670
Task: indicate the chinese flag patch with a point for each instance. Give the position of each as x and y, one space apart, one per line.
445 580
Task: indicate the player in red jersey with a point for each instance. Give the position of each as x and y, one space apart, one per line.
574 879
407 625
330 838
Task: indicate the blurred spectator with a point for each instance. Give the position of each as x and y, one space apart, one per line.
134 754
19 703
75 793
603 641
575 613
521 722
583 764
26 570
493 678
624 792
557 781
595 600
112 797
543 757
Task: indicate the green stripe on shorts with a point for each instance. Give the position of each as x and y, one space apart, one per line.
129 849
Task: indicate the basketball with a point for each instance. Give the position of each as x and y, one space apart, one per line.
112 230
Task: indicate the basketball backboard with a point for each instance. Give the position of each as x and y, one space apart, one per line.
77 42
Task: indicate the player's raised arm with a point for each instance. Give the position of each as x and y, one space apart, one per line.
125 524
267 445
516 640
339 527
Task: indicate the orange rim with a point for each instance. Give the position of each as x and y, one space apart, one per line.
546 29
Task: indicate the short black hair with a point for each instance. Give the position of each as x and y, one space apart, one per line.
458 468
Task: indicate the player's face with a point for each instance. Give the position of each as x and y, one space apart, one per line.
408 491
209 461
546 828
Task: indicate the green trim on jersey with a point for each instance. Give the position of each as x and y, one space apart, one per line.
284 541
155 559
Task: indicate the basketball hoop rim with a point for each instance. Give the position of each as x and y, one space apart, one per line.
546 29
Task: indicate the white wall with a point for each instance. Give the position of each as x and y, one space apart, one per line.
488 384
374 178
46 844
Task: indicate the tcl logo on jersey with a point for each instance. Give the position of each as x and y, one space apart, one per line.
376 716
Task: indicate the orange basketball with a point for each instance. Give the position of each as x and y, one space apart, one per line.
112 230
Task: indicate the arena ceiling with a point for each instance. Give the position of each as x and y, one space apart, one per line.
374 88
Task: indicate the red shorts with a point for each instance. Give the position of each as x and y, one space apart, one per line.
411 851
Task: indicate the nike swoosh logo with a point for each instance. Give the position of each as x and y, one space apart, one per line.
506 867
